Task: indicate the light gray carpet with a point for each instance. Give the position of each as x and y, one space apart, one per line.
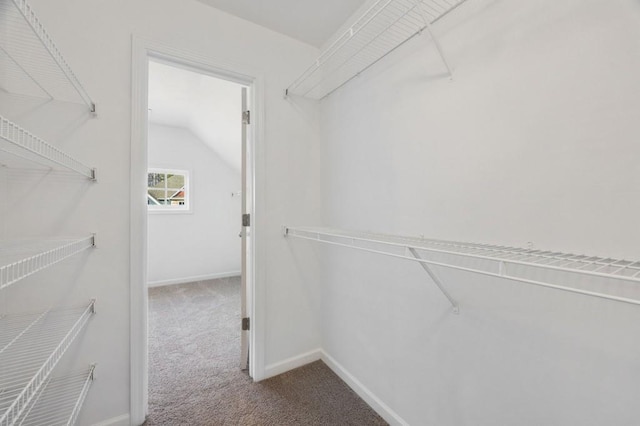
194 378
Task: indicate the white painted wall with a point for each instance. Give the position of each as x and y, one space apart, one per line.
4 206
95 37
535 139
190 246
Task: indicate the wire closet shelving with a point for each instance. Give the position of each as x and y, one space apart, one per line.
19 142
59 401
485 259
32 345
22 258
31 61
383 27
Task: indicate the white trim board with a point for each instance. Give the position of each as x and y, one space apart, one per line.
289 364
122 420
192 279
363 392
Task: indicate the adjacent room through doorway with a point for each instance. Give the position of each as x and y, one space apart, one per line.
195 176
195 238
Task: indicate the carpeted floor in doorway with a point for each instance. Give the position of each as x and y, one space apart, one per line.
194 378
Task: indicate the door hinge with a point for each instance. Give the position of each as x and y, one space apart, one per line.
246 220
246 117
245 324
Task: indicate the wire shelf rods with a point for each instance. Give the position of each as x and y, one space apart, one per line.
500 261
383 27
26 145
21 258
28 46
26 364
59 401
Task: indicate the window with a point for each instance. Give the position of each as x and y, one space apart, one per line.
168 190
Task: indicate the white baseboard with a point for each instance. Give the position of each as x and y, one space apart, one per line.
195 278
374 402
291 363
272 370
122 420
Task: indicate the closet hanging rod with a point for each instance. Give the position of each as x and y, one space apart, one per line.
502 257
25 145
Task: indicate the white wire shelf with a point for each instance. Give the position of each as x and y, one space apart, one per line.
496 261
21 258
385 26
28 50
27 361
60 400
19 142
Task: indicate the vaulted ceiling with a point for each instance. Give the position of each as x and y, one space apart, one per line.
209 107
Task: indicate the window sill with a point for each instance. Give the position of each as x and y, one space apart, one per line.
169 211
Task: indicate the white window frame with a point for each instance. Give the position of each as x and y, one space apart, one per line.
173 209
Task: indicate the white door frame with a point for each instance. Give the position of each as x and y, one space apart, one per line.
142 51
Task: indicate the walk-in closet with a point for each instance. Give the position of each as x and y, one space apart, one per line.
442 217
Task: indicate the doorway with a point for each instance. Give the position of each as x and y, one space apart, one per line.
175 190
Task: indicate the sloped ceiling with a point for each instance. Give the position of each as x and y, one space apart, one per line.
209 107
310 21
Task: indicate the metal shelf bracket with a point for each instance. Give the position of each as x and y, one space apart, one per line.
427 24
436 280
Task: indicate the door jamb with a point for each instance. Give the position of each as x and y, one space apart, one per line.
142 51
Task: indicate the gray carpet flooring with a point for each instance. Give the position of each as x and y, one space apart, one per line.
194 378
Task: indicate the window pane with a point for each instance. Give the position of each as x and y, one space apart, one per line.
167 190
156 180
175 181
157 194
177 192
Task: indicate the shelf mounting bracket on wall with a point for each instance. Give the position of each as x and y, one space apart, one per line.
436 280
427 25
